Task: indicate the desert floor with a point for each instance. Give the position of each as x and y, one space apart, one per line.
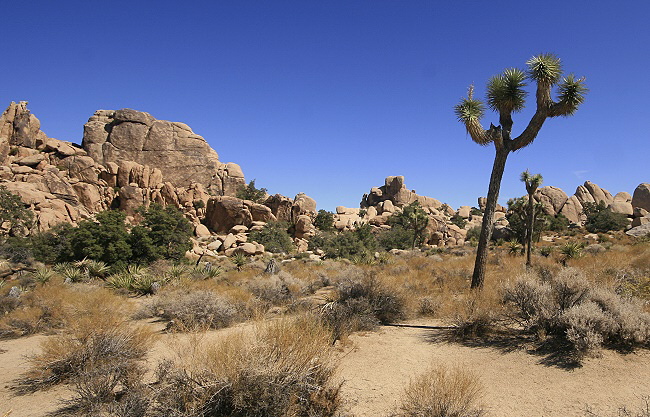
376 366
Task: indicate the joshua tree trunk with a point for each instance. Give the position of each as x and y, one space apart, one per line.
529 230
488 217
505 95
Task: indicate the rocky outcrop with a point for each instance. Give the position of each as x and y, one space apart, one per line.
182 156
551 198
396 192
641 196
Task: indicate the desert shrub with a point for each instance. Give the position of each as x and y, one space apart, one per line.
362 304
442 392
164 233
43 308
324 220
600 219
274 236
532 300
54 245
458 220
252 193
473 234
568 308
16 249
98 342
586 324
557 223
395 238
412 218
15 218
283 368
276 289
476 316
198 309
346 244
429 306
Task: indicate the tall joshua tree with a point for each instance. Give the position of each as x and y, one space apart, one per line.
506 95
532 182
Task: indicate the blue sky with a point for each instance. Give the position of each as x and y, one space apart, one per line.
330 97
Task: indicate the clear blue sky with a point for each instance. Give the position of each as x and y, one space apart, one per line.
330 97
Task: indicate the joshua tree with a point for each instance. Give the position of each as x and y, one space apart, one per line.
532 182
506 95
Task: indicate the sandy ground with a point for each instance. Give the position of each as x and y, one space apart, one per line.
516 383
376 366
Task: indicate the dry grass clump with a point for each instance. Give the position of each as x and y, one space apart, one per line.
44 308
477 314
194 308
283 368
98 352
278 289
442 392
362 304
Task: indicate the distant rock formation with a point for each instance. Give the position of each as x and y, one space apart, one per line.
182 156
129 160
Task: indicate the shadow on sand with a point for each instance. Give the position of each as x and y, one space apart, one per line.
550 353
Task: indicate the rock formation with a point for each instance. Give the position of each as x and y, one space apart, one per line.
182 156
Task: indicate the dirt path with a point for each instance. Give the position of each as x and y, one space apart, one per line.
13 363
376 366
379 365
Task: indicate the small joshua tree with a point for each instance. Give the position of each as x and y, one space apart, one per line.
532 182
506 95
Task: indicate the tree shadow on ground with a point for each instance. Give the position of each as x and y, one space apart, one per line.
552 352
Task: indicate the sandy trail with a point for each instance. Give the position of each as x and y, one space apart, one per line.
380 364
376 366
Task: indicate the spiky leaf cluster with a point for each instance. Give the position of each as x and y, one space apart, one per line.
532 181
469 112
505 93
545 69
570 95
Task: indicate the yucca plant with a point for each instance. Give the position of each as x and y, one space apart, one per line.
43 275
71 273
207 271
120 281
239 260
514 248
145 284
505 96
570 250
176 272
96 269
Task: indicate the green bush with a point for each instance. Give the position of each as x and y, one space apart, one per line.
458 220
600 219
414 218
274 236
324 220
13 214
163 233
250 192
473 234
517 218
557 223
395 238
359 242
